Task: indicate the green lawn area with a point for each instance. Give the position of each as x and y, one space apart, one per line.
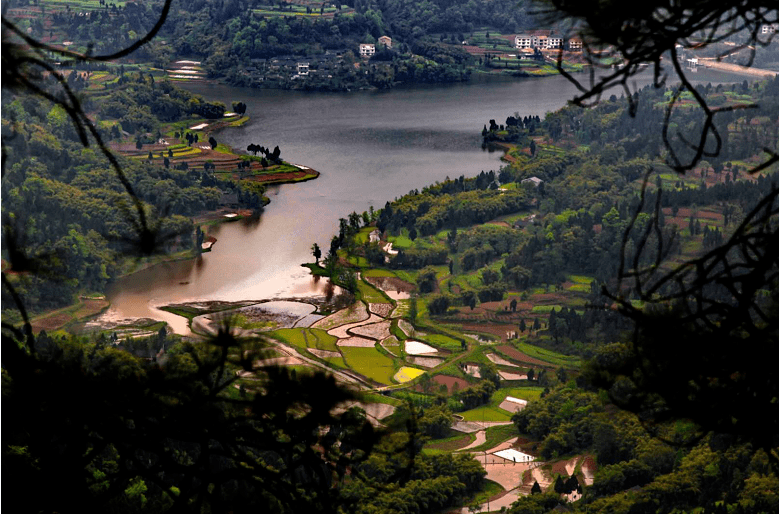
489 490
402 241
454 441
370 363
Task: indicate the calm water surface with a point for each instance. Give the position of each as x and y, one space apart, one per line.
370 147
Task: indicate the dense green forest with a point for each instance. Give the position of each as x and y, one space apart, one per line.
82 226
427 37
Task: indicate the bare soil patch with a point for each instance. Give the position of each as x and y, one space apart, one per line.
449 381
359 342
391 284
382 309
497 359
505 375
50 323
497 330
353 313
378 331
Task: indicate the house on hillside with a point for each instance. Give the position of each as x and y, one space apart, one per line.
303 69
523 41
386 41
367 49
533 180
554 42
525 222
575 44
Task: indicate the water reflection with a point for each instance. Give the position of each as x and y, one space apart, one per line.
369 147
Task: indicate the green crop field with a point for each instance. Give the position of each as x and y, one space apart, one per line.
370 363
524 393
486 413
545 308
378 273
550 356
370 294
442 341
306 338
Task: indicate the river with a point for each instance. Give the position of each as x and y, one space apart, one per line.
370 147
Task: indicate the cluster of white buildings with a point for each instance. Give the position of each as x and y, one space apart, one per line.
546 42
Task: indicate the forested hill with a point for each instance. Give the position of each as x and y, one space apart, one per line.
226 35
67 208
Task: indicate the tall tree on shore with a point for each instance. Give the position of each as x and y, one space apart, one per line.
316 252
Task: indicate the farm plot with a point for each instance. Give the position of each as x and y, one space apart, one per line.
342 331
378 331
523 357
555 358
392 345
418 348
497 359
305 338
382 309
426 362
406 374
370 363
354 313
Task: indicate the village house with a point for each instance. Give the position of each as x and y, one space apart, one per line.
302 69
533 180
367 49
386 41
523 41
554 42
575 44
769 28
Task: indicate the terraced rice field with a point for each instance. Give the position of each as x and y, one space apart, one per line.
370 363
356 312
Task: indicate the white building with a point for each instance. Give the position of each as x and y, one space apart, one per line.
303 68
367 49
533 180
523 41
554 42
769 29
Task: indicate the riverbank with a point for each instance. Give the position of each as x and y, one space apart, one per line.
735 68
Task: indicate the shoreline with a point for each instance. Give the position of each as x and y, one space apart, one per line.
712 63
